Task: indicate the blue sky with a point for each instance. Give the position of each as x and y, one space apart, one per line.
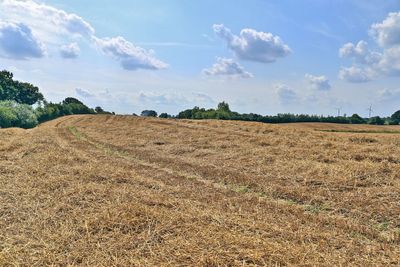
308 56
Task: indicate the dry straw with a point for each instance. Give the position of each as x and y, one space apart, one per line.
128 191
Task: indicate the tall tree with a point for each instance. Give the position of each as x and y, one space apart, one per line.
223 106
23 93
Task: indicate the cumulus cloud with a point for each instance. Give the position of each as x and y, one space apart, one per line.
18 42
131 57
387 33
286 94
371 64
390 62
55 26
355 75
320 83
227 67
70 51
46 17
251 45
360 53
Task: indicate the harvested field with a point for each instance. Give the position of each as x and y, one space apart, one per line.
131 191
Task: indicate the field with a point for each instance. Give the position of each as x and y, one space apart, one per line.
131 191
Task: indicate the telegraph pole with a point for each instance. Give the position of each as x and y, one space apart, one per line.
370 110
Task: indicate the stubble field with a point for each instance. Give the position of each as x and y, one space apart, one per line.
131 191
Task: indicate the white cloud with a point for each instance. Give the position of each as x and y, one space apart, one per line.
387 33
46 18
320 83
360 53
70 51
371 64
390 62
252 45
18 42
356 75
286 94
229 68
131 57
56 27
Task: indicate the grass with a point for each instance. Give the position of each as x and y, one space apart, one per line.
131 191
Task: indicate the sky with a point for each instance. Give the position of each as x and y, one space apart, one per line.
261 56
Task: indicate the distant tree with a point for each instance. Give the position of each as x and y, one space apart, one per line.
395 118
72 100
164 116
99 110
148 113
223 106
187 114
376 121
69 106
356 119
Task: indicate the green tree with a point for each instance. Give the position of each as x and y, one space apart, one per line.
24 93
99 110
72 100
356 119
395 118
376 121
7 117
223 106
164 116
148 113
13 114
27 93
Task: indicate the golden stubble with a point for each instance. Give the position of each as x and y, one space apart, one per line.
131 191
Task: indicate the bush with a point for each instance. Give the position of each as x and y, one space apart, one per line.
165 116
13 114
7 117
52 111
376 121
148 113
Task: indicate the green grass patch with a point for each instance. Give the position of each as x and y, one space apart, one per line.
384 226
75 132
316 208
241 189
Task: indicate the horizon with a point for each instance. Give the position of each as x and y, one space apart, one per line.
261 57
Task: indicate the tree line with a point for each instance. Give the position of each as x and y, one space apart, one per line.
17 100
223 112
23 105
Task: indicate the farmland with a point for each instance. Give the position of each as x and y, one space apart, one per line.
121 190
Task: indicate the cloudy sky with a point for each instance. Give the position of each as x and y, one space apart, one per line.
263 56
